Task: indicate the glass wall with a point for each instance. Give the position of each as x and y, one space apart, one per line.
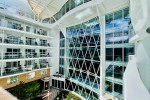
117 50
61 53
83 58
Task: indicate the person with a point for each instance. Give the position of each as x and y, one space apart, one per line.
5 95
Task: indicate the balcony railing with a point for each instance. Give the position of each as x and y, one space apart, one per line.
13 55
45 55
10 55
31 43
45 44
10 70
12 41
21 42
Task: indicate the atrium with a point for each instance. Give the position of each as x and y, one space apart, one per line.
75 49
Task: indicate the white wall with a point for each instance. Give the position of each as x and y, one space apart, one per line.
55 51
143 61
134 88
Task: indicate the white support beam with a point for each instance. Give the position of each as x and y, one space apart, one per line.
45 6
103 58
36 5
102 51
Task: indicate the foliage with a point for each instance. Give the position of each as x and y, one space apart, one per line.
24 91
71 96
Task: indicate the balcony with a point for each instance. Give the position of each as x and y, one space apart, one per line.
31 55
11 70
34 43
31 67
10 55
45 55
21 42
11 41
45 44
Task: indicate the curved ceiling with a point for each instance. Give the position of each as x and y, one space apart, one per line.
46 8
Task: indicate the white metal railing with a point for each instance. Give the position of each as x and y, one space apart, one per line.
19 55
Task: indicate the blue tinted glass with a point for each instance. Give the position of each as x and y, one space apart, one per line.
96 29
68 33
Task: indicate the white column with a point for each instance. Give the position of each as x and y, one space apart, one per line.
102 52
103 55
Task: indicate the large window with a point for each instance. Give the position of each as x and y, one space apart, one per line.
83 55
117 50
12 53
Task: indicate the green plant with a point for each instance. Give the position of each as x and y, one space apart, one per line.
72 96
24 91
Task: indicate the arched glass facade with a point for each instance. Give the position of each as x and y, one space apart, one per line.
82 65
83 59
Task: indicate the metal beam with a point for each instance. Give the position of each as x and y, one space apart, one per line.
36 5
45 6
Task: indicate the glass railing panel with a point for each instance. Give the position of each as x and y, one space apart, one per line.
9 70
13 41
13 55
45 55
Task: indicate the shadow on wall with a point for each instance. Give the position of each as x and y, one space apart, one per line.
143 61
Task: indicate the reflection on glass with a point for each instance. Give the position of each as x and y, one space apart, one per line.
83 46
117 50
